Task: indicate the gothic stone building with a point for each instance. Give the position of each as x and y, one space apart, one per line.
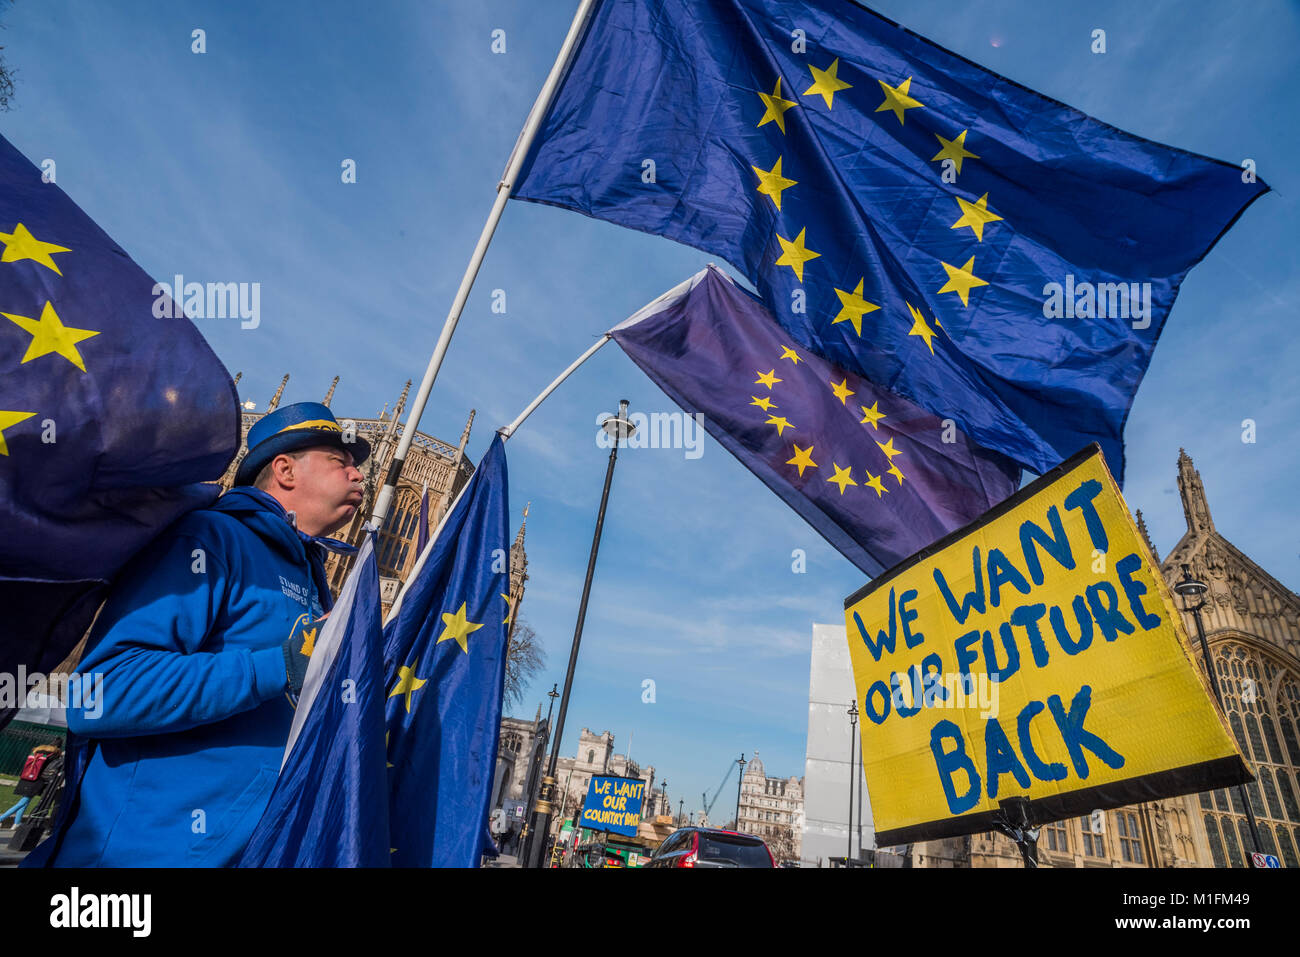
1252 624
431 462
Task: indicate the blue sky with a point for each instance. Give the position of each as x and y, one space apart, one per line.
225 167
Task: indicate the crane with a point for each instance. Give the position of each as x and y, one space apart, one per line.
708 804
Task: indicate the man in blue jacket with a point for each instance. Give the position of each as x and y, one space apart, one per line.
189 671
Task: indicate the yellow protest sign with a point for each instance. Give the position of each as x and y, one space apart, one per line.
1035 653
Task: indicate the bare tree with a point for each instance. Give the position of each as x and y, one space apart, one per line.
524 661
781 842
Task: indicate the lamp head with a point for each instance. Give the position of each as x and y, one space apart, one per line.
619 426
1190 587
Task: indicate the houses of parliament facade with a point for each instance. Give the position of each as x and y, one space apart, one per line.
1252 624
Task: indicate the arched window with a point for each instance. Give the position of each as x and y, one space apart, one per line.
1261 698
397 536
591 757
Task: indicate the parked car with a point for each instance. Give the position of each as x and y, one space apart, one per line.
711 847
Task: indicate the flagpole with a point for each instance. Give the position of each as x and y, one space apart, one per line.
504 188
505 433
509 430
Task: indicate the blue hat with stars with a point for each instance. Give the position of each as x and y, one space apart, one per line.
292 427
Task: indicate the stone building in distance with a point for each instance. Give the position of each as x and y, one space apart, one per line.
772 808
1252 625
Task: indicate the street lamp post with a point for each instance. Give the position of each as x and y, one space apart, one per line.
853 741
742 762
681 804
1190 588
619 428
526 838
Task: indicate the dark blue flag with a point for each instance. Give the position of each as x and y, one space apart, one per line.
107 414
330 803
997 257
877 476
445 660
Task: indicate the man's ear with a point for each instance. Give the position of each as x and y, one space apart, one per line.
283 468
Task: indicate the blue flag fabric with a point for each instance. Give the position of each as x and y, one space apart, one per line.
330 803
445 658
877 476
994 255
107 415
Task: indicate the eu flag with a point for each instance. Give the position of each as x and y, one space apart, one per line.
330 803
107 414
877 476
989 253
444 661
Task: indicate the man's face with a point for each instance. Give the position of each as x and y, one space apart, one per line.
329 489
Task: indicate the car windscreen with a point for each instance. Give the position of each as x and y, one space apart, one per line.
740 851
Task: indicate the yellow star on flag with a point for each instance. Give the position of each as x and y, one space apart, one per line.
775 107
853 307
871 416
873 481
802 459
788 353
795 254
510 609
458 628
954 149
780 422
7 419
764 403
841 477
888 449
407 683
20 244
975 215
897 98
771 182
893 470
842 390
826 82
49 334
768 379
920 327
961 280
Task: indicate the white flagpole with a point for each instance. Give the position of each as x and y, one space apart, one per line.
504 187
505 434
509 430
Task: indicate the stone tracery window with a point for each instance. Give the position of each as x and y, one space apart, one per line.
397 536
1262 701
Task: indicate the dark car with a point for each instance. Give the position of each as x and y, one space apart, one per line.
711 847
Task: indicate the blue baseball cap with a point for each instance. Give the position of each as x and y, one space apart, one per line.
292 427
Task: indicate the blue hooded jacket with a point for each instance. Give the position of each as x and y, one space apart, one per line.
178 744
